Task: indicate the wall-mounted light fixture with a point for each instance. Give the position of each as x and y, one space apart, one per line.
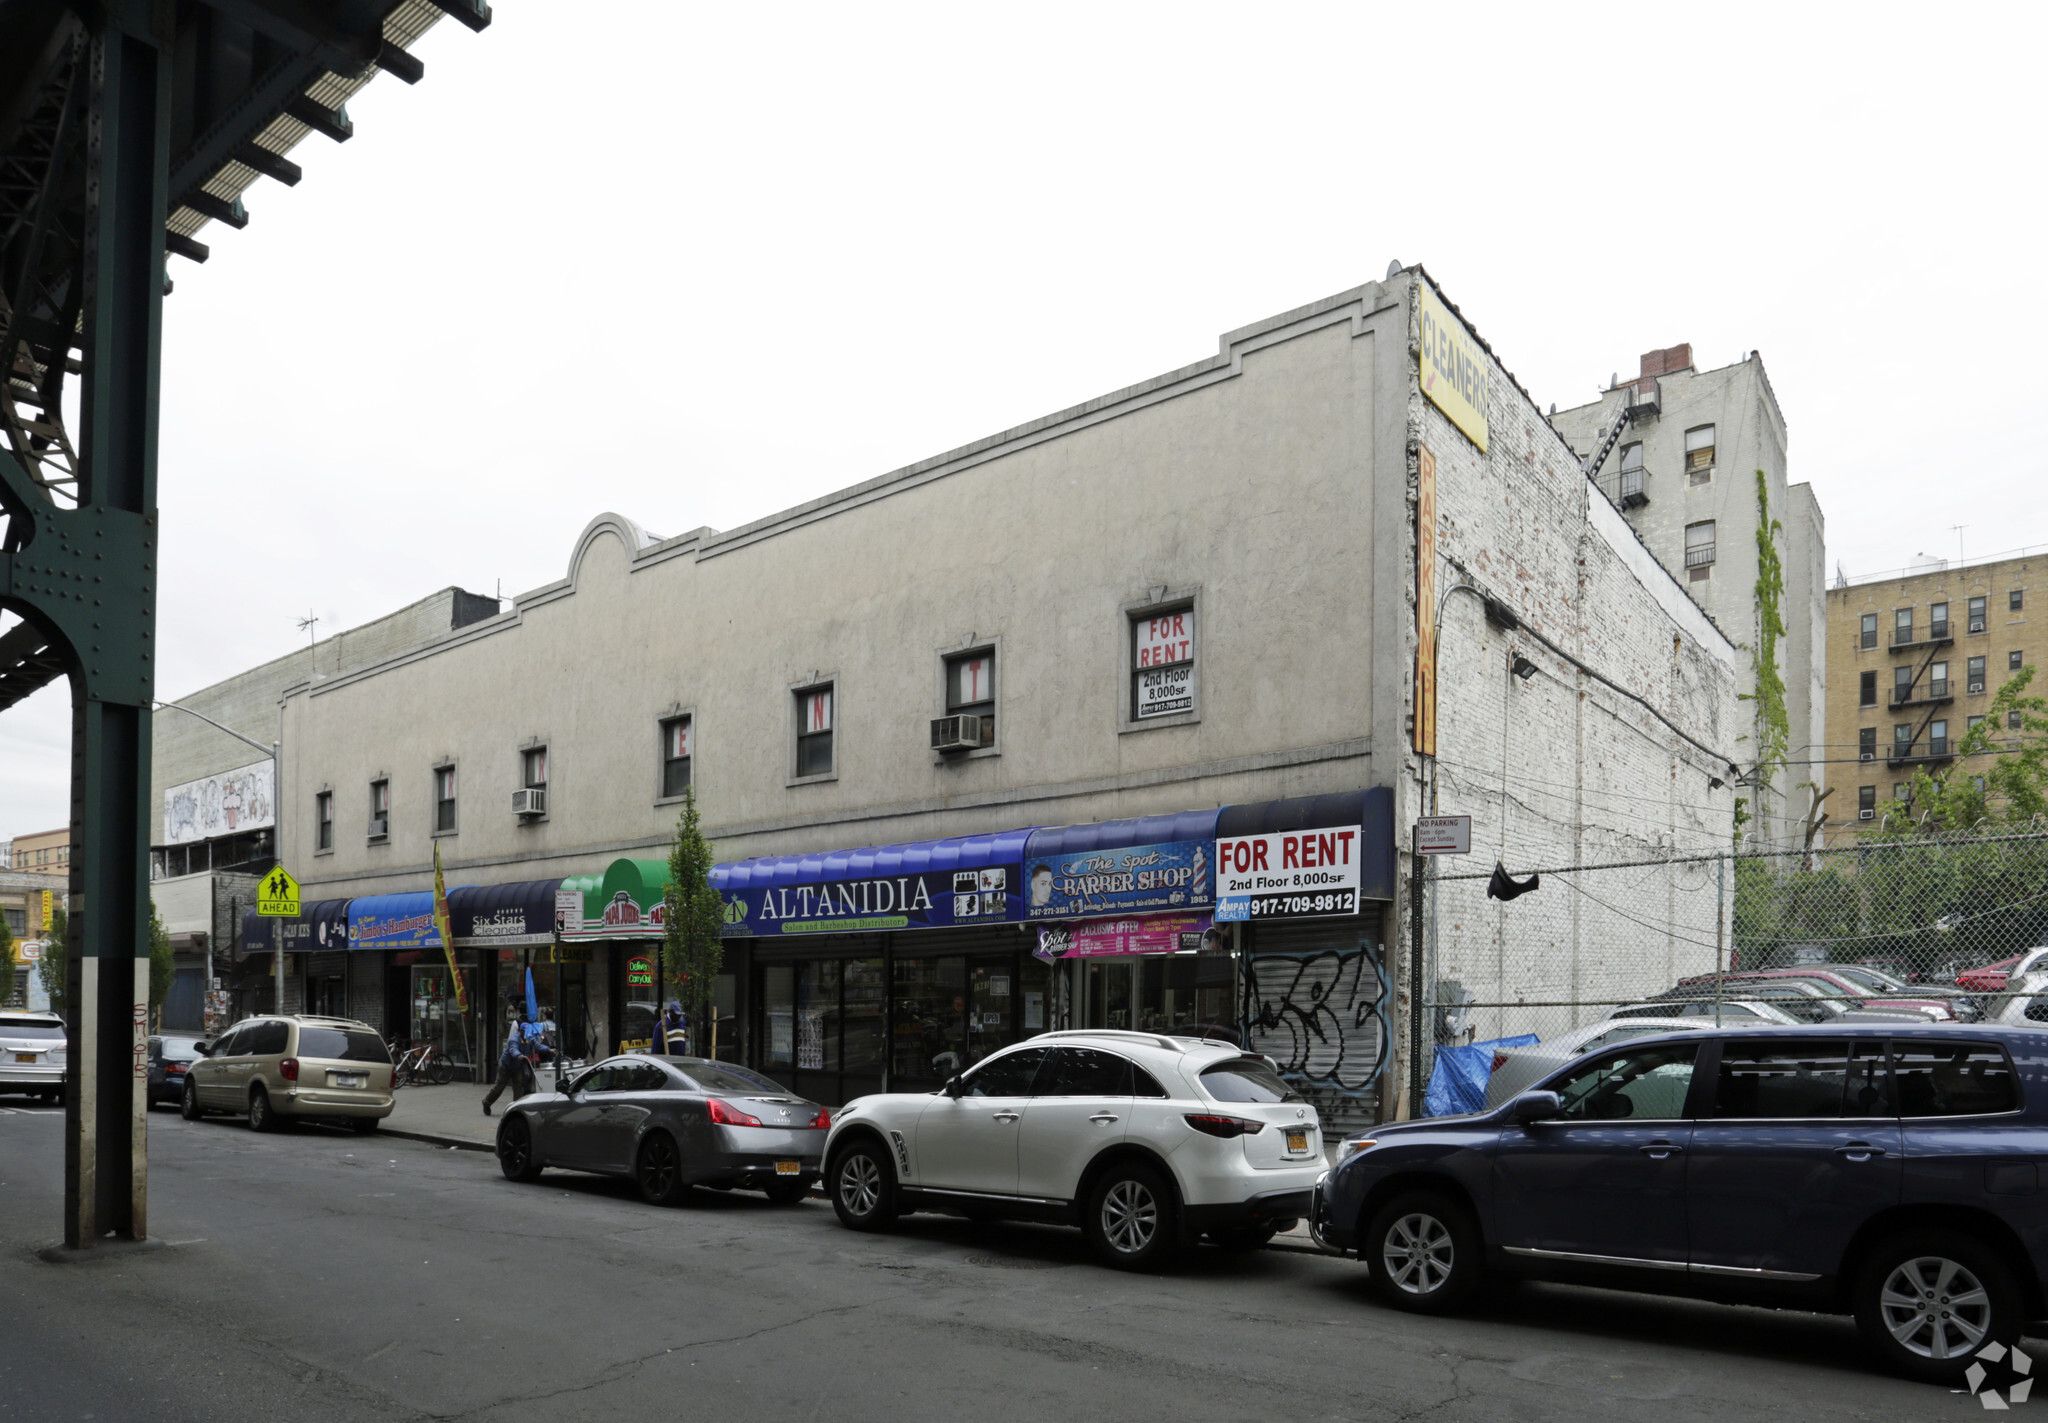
1523 668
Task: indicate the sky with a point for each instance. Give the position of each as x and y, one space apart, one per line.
697 263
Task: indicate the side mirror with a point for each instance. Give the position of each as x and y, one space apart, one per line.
565 1085
954 1086
1535 1107
203 1049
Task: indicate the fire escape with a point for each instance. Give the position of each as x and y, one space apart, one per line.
1909 695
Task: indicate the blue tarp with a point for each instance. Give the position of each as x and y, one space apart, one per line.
1458 1082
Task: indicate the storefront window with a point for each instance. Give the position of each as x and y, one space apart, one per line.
817 1016
866 1004
931 1017
1185 993
778 1016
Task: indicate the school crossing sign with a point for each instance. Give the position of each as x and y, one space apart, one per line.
278 895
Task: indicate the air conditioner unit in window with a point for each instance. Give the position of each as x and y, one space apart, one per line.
533 800
1866 815
961 732
1866 756
1976 688
379 829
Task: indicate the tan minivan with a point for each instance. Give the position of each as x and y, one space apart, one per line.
274 1069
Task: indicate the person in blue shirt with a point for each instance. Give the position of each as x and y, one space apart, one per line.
523 1046
675 1030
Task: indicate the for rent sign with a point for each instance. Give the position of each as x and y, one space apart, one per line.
1290 874
1163 648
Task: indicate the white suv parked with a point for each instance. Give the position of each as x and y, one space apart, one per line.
1147 1142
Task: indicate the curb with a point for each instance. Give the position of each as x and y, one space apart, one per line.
1301 1247
459 1143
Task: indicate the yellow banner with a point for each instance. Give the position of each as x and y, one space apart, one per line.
447 933
1454 368
49 917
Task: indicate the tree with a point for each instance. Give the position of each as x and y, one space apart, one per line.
161 962
692 949
50 968
2013 788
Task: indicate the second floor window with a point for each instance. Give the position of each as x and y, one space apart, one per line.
533 768
1866 691
1937 738
1163 652
1902 738
971 689
1976 669
675 755
814 731
1866 633
1976 615
1866 744
444 800
380 809
323 819
1699 546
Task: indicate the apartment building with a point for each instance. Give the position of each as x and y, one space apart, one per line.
1676 450
1915 657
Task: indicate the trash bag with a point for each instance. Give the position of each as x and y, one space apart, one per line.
1458 1081
1504 887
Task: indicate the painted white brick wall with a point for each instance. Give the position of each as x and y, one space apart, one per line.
1559 770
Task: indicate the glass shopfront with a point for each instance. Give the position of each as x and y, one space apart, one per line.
1190 995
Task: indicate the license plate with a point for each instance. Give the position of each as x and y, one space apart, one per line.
24 1057
788 1168
1297 1141
349 1079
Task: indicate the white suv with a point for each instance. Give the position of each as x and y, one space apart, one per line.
1147 1142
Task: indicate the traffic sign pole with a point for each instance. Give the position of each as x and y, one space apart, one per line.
277 897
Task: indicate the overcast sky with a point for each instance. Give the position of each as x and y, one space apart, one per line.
697 263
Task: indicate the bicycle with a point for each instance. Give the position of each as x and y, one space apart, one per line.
421 1063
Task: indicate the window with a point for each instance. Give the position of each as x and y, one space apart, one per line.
1810 1079
1902 738
1866 744
1699 453
1632 476
1902 792
1084 1072
1973 723
1163 664
1977 784
1975 667
1937 620
2016 600
814 731
1902 684
1246 1079
1699 544
1866 634
533 768
1937 738
1007 1076
444 800
1643 1084
380 809
1953 1080
1902 626
971 689
342 1045
1866 695
323 819
1976 615
2012 720
2014 661
1866 802
676 752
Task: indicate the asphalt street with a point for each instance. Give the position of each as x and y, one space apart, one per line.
322 1276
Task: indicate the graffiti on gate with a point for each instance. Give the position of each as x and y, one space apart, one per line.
1321 1016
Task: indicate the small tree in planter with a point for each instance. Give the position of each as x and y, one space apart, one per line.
692 950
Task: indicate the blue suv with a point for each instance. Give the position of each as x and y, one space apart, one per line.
1894 1174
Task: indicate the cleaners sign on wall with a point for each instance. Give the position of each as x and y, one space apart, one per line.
1290 874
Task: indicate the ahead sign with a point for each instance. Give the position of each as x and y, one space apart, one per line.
1443 835
278 895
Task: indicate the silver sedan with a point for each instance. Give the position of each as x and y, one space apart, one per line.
670 1123
1515 1068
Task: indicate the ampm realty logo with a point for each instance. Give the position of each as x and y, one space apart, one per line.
2018 1364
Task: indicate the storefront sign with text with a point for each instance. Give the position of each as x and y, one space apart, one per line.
1289 874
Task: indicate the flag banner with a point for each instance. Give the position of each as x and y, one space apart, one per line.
441 926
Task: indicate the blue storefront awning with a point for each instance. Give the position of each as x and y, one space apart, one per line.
393 921
507 915
924 884
1154 864
320 927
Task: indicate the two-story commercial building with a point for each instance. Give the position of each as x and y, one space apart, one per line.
1116 718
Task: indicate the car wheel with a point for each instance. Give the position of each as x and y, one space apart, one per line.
188 1105
1243 1237
363 1126
261 1117
1928 1301
1424 1253
516 1156
659 1170
864 1187
1133 1220
786 1193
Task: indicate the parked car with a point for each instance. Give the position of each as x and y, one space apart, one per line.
1883 985
1845 992
2025 1000
171 1055
1147 1142
276 1070
1888 1174
1706 1008
1992 977
33 1056
1515 1068
669 1123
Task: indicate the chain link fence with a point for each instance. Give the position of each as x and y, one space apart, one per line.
1902 930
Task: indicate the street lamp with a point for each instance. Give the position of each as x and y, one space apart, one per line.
275 750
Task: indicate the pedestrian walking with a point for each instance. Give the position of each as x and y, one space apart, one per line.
515 1066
